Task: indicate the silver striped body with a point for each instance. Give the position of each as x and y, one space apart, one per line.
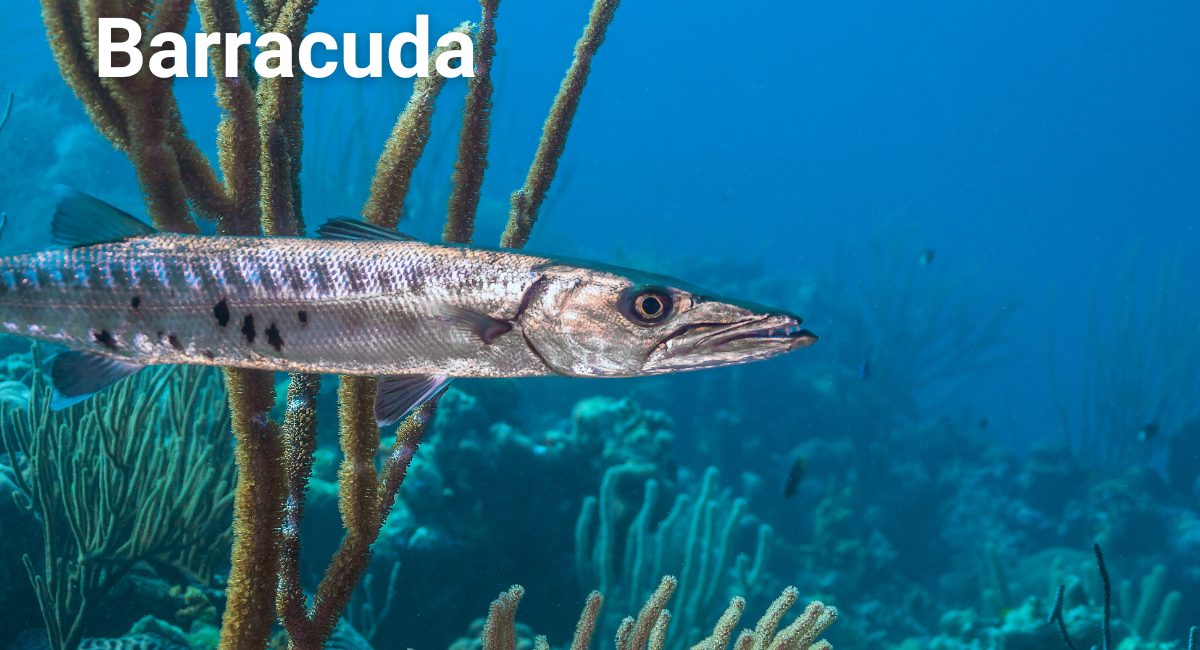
304 305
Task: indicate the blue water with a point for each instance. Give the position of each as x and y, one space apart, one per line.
1038 145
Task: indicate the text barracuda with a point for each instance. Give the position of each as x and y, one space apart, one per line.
172 59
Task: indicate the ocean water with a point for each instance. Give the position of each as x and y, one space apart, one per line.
988 213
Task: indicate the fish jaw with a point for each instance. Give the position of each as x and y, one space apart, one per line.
725 342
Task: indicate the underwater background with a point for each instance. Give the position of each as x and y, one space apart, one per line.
989 213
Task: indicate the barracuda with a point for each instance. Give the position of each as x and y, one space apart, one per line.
360 300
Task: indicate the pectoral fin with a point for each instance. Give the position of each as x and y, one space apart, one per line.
482 326
397 395
77 376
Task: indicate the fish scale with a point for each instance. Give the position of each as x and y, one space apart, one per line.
369 307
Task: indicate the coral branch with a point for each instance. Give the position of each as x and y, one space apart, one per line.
137 114
587 621
408 438
527 201
473 137
649 614
393 172
499 630
250 594
280 127
300 443
75 62
238 146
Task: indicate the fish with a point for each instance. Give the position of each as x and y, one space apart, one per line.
357 300
794 477
864 368
1148 431
983 423
926 257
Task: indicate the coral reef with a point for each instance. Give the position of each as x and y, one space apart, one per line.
694 539
109 496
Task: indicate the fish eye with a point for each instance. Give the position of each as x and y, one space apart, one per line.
647 306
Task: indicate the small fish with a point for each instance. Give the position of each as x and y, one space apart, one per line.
983 423
1148 431
795 475
926 257
864 369
359 300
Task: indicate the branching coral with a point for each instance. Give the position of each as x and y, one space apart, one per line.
650 629
258 192
109 494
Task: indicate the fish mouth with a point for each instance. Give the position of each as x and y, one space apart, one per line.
756 333
708 345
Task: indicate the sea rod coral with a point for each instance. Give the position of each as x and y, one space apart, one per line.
257 192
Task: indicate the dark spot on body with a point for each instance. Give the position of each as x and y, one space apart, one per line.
248 329
303 316
385 279
105 338
266 280
135 302
354 276
120 276
416 283
321 277
174 341
295 280
208 354
274 338
95 277
221 312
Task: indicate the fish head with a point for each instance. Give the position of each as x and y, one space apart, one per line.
611 322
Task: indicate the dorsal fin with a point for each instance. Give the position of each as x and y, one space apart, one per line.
355 230
84 220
